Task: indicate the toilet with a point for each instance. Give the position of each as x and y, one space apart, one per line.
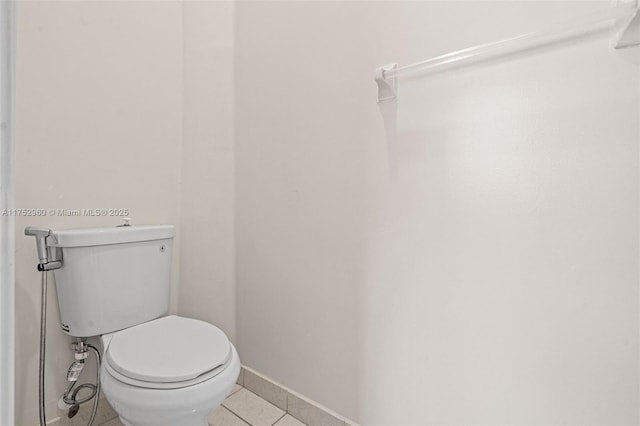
156 369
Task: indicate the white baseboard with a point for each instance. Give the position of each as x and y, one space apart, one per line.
299 406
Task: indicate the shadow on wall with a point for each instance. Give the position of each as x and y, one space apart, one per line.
389 113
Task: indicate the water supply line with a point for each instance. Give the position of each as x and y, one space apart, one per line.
48 262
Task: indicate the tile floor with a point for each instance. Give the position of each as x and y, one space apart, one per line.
244 408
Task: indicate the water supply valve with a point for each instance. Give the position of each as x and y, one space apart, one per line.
80 353
75 369
73 410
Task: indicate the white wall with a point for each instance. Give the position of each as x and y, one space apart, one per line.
475 263
207 287
99 89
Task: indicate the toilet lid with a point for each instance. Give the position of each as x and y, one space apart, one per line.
167 350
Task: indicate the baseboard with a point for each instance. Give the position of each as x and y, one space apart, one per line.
299 406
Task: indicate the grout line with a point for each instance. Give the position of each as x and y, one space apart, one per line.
239 416
258 396
245 421
274 423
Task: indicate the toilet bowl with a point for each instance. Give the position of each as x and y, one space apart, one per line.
166 372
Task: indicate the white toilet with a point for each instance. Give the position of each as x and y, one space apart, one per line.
156 369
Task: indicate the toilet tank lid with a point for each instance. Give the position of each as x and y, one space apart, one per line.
84 237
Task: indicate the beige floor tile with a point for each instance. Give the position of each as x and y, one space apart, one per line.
223 417
289 421
253 409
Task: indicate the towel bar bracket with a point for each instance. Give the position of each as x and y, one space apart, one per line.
387 87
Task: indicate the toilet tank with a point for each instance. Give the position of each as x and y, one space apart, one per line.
112 278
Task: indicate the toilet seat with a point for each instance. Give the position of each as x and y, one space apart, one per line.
167 353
